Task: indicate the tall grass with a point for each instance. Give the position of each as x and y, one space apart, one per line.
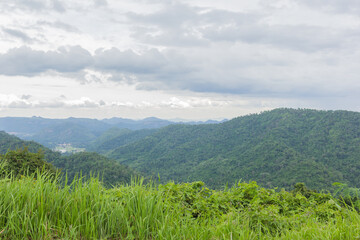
39 207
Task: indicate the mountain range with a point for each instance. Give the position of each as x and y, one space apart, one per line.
76 131
276 148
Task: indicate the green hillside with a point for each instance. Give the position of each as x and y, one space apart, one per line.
90 163
274 148
10 142
111 171
116 137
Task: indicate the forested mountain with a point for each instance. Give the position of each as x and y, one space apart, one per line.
116 137
275 148
111 171
75 134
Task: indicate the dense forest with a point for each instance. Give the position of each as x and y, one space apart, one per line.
115 137
276 148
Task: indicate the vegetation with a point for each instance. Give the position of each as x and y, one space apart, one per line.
111 172
73 133
10 142
90 163
276 148
44 209
23 162
116 137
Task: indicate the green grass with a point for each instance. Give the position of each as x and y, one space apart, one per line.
39 207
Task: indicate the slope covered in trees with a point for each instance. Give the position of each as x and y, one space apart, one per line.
109 170
274 148
10 142
90 163
116 137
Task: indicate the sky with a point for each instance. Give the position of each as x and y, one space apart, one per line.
198 59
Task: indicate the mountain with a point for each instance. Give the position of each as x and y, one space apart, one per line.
116 137
275 148
22 126
111 171
67 132
146 123
79 132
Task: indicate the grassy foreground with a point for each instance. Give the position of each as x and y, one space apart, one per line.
39 207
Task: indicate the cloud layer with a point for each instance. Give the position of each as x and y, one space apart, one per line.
283 49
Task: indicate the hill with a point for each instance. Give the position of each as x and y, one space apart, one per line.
75 134
274 148
111 171
11 142
116 137
91 163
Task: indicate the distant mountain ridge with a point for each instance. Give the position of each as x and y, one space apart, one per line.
77 131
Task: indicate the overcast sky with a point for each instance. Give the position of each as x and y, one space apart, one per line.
197 59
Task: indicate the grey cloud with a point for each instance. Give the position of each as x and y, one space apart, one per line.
173 25
26 97
183 25
128 61
301 38
243 70
28 62
59 25
18 34
100 3
57 5
343 6
172 15
35 5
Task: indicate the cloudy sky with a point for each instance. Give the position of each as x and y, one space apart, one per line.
195 59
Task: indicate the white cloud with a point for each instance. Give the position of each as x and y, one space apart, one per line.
13 101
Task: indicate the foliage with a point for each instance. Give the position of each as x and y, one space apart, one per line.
115 137
22 162
44 209
277 148
87 164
